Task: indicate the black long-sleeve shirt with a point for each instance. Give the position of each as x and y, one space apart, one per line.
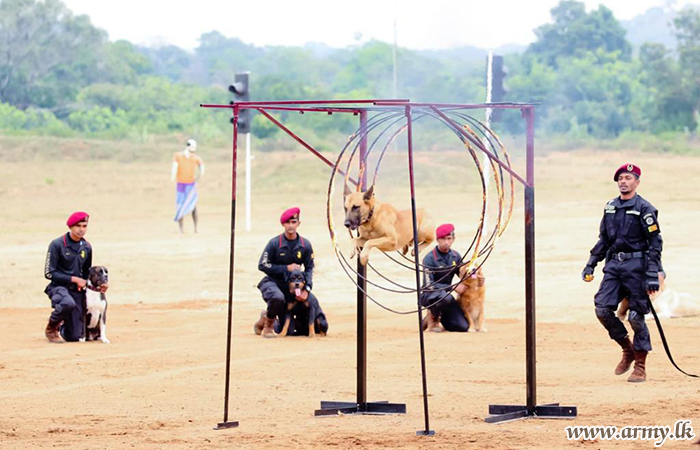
440 268
67 258
280 252
629 226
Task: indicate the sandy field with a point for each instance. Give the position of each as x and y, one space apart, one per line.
160 383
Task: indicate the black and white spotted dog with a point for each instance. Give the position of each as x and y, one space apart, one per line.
96 305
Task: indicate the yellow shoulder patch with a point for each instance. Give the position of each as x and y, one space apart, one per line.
653 228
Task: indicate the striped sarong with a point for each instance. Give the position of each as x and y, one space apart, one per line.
186 199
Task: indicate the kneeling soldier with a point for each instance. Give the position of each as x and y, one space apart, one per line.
284 253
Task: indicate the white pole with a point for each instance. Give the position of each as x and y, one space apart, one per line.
485 159
248 187
396 78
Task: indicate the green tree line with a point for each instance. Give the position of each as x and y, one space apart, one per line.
60 75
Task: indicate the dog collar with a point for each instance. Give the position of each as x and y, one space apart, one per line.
369 216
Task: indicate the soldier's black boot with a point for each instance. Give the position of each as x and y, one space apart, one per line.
627 356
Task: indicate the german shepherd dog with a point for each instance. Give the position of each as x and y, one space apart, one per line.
309 308
382 226
472 299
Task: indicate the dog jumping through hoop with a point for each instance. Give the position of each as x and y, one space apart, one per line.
382 226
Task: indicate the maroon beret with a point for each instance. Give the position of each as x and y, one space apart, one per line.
77 217
630 168
446 229
291 213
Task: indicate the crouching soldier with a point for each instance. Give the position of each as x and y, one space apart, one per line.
68 262
283 254
440 266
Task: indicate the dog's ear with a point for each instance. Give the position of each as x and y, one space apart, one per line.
369 193
347 191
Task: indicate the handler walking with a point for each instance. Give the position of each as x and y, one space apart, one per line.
68 262
631 244
184 171
283 254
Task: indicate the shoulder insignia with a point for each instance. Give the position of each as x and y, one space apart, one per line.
653 228
649 220
312 256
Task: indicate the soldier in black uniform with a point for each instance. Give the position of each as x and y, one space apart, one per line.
284 253
631 244
440 267
68 262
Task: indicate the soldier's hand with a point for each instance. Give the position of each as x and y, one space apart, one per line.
652 285
587 274
291 267
81 283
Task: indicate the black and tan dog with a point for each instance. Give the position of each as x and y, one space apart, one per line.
96 305
303 317
382 226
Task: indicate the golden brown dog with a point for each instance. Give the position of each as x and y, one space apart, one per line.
472 299
382 226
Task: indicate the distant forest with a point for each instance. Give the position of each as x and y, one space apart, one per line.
594 77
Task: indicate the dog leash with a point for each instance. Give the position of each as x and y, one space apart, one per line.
663 340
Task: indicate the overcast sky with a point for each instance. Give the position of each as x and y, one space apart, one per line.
420 25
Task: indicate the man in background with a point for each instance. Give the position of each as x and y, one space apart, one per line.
187 169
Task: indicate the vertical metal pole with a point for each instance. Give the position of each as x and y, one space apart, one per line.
231 261
530 339
409 120
248 187
362 288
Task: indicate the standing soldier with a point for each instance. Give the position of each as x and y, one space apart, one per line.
284 253
68 262
441 265
631 244
184 172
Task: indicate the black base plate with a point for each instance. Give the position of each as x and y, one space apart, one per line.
505 413
335 408
225 425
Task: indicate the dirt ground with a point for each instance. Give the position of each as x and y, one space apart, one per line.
160 383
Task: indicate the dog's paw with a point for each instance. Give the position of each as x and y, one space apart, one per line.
104 340
364 258
81 340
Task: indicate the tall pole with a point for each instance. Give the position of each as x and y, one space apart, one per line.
530 339
396 76
485 163
362 289
226 423
248 187
427 431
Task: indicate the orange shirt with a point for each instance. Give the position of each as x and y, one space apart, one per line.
186 167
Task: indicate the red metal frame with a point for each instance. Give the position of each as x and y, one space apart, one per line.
362 107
